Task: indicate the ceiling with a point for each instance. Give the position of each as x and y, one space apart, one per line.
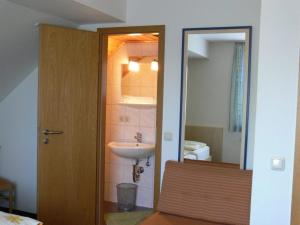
114 41
198 43
222 37
69 9
135 37
19 43
19 33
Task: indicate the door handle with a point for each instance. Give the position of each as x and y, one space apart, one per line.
51 132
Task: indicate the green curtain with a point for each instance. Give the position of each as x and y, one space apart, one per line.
237 89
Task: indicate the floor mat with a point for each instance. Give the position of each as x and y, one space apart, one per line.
126 218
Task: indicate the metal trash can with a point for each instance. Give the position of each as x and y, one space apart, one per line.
126 194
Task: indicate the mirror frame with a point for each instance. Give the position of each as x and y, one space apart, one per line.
185 31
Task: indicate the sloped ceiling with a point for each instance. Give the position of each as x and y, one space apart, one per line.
79 11
19 42
19 33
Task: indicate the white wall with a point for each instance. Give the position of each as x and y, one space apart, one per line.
176 15
276 94
276 111
18 138
208 96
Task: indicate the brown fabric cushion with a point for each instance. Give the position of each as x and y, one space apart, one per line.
167 219
217 194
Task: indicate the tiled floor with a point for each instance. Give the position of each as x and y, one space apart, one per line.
111 207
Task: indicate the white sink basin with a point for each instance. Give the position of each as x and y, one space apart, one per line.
132 150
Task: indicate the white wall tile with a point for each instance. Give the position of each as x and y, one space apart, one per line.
108 113
108 94
107 171
127 173
116 173
113 192
148 134
147 117
146 179
130 133
107 154
107 132
133 115
106 191
115 94
117 112
117 133
145 197
117 160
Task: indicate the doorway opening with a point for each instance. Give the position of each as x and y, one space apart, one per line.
131 106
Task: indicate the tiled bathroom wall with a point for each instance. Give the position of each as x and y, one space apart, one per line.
122 124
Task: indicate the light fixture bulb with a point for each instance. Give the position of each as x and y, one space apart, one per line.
154 65
133 66
135 34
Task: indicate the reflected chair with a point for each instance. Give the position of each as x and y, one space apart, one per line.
7 191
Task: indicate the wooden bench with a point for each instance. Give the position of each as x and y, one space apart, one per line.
203 194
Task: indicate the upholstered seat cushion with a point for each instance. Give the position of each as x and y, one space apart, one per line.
167 219
210 193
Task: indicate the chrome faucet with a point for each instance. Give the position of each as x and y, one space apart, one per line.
139 137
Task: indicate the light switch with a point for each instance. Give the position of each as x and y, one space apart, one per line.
278 163
168 136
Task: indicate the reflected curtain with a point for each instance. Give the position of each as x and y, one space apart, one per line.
237 89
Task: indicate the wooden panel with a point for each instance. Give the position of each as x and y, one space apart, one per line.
212 136
115 41
296 184
113 45
136 38
68 96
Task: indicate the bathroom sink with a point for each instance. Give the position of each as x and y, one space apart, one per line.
132 150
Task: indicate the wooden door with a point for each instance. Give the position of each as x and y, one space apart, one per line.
68 96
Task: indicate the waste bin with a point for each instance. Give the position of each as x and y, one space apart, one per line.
126 194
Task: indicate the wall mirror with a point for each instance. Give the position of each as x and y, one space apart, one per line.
139 77
215 94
